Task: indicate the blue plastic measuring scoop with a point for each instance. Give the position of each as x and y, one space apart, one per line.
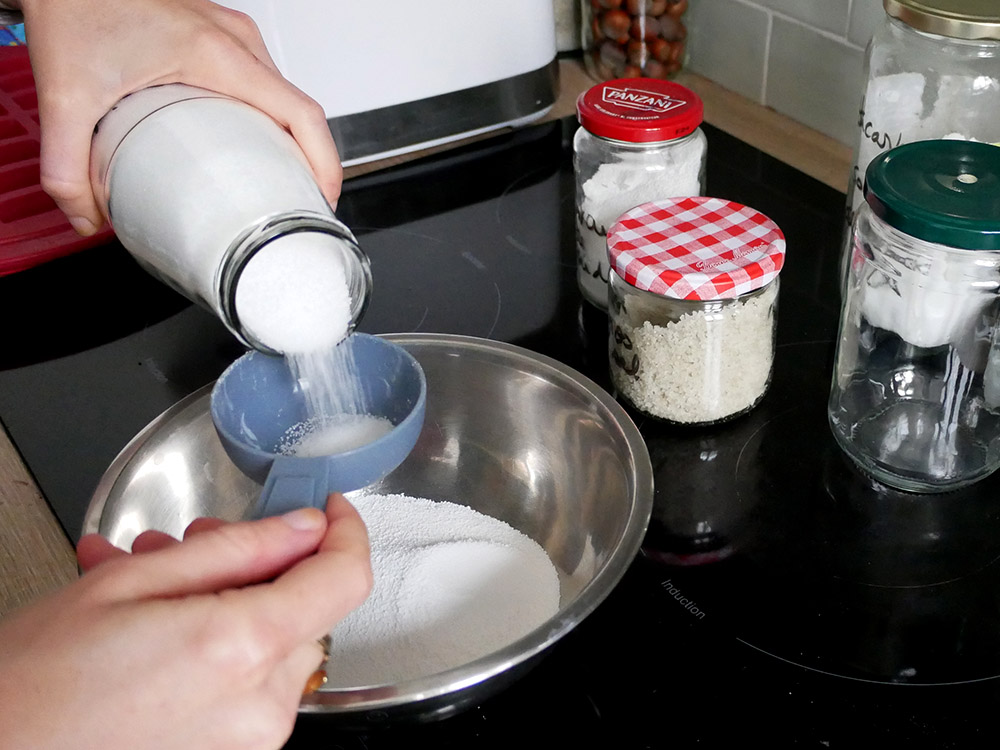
257 400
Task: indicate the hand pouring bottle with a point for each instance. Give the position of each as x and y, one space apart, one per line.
196 184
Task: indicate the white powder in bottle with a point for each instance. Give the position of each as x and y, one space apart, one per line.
617 186
706 365
293 294
293 297
451 585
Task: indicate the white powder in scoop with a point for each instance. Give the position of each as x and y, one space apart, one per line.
326 436
451 585
293 295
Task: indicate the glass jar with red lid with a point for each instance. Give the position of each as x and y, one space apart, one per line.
694 295
639 140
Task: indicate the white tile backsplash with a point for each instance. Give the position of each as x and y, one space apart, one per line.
829 15
804 58
866 15
727 42
815 79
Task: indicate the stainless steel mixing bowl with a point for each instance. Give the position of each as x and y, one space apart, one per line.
512 434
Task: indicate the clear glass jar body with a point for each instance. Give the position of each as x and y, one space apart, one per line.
633 38
614 176
691 361
915 398
921 86
195 184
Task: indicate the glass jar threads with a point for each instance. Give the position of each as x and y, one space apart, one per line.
640 140
932 71
915 398
633 38
693 306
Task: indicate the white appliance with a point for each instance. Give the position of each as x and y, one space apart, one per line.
398 75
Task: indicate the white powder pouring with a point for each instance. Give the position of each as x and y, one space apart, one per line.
294 298
451 585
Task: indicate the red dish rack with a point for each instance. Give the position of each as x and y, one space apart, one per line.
32 229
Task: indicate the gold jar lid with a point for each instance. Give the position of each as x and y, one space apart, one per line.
959 19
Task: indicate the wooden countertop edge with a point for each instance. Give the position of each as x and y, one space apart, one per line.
35 555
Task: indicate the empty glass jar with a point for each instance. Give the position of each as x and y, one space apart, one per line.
915 399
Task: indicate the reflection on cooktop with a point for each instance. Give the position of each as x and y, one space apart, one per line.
818 565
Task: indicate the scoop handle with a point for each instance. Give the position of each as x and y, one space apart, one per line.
294 483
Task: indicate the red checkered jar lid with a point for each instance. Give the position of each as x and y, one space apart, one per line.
698 248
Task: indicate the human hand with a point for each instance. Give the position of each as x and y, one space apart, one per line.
200 643
88 54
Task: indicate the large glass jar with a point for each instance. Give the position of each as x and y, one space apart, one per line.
693 306
639 140
932 70
915 399
633 38
207 192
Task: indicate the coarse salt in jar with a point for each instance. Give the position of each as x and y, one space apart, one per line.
640 140
693 306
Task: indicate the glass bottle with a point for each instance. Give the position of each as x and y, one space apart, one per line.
915 398
693 307
197 184
633 38
639 140
932 70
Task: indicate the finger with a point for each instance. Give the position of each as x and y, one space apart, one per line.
231 556
307 600
201 525
264 88
152 540
65 164
94 549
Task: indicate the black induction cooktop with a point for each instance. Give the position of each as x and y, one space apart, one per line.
780 597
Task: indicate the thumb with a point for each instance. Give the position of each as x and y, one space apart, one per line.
65 167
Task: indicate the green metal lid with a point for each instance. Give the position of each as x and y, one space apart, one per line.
943 191
959 19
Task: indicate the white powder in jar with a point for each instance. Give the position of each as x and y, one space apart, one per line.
451 585
705 366
615 187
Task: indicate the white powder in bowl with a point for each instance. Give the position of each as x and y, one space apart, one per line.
703 367
293 295
451 585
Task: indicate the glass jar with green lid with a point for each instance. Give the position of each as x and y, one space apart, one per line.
932 70
915 399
